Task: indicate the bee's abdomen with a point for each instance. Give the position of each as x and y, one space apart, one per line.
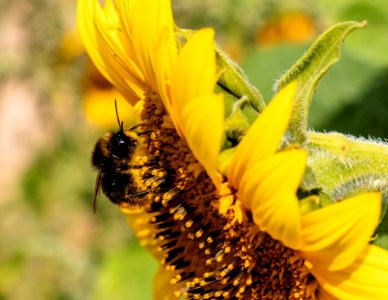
115 185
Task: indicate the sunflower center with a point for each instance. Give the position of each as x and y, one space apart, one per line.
206 238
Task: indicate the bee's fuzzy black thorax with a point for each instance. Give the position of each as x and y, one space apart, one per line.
101 151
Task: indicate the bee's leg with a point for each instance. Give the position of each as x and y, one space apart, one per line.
137 127
97 190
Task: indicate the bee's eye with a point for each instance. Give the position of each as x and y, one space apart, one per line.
122 145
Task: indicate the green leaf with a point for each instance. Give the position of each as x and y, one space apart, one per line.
310 68
264 66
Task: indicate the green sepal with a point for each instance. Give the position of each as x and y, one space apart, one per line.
233 80
345 166
310 68
239 115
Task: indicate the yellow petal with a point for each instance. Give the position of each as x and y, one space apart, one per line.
366 278
268 189
162 288
264 136
139 221
202 122
154 46
193 75
199 112
125 10
335 235
165 62
100 31
152 20
195 72
324 295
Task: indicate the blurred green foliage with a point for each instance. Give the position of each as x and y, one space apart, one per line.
52 246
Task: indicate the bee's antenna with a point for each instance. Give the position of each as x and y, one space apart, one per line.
121 124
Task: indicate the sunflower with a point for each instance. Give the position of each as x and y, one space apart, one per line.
239 233
288 27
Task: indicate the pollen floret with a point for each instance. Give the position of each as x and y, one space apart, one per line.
208 252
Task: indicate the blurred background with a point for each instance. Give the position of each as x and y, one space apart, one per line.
54 105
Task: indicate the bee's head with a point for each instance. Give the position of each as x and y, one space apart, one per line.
119 145
123 143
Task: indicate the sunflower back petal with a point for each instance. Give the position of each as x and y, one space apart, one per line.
103 38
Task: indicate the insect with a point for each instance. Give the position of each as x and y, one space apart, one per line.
126 173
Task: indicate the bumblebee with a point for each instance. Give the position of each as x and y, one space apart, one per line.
126 173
